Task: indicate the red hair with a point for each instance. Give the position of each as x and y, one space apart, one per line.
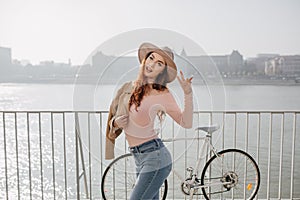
142 88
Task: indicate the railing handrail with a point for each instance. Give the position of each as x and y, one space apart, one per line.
106 111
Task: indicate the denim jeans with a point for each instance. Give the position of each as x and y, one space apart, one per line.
153 165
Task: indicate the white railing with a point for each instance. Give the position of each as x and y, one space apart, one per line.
60 154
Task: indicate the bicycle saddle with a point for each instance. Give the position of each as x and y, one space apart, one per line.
209 128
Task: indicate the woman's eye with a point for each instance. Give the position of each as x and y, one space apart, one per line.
159 64
151 58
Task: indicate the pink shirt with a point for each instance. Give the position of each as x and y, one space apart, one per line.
140 127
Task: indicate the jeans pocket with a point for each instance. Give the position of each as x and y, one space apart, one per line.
166 158
151 161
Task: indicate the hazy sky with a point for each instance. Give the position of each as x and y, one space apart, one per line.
57 30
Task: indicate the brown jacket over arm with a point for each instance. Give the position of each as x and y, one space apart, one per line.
118 107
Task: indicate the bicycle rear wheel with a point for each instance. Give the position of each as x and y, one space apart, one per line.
119 179
231 174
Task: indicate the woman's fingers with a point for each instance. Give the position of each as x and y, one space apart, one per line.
124 121
190 79
183 79
122 117
185 82
182 76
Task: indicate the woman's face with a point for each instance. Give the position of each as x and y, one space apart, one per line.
154 65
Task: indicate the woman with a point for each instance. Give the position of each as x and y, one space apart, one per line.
134 110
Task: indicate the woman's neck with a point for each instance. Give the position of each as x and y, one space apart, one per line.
150 81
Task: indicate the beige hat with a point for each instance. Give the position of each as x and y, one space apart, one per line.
165 52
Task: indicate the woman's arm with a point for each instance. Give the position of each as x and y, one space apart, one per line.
185 117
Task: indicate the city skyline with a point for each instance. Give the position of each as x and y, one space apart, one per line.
63 30
231 67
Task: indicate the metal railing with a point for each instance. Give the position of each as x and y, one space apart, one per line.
60 154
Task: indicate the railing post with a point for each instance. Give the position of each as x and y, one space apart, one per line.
281 156
65 155
17 155
41 155
269 154
293 155
78 141
53 156
5 154
258 141
77 162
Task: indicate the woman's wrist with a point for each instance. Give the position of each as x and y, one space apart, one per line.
187 92
114 124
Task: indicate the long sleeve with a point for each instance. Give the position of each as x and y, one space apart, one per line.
185 117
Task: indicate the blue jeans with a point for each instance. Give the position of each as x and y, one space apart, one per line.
153 165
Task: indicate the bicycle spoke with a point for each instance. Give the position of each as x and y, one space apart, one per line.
231 174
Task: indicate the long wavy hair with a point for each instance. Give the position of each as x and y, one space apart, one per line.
142 87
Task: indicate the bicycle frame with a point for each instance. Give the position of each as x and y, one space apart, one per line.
206 148
191 184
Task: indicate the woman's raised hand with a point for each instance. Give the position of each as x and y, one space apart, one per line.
186 83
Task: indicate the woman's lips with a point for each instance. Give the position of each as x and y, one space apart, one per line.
148 69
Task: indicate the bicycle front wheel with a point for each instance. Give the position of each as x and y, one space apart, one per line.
119 179
230 174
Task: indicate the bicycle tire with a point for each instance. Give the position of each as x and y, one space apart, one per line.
118 181
238 178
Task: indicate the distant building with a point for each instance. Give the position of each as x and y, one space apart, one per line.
259 62
283 65
266 55
272 66
51 63
22 62
215 63
5 57
116 67
229 63
47 63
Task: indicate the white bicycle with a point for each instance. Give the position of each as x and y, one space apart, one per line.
227 174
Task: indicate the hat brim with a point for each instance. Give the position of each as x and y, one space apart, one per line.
147 48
